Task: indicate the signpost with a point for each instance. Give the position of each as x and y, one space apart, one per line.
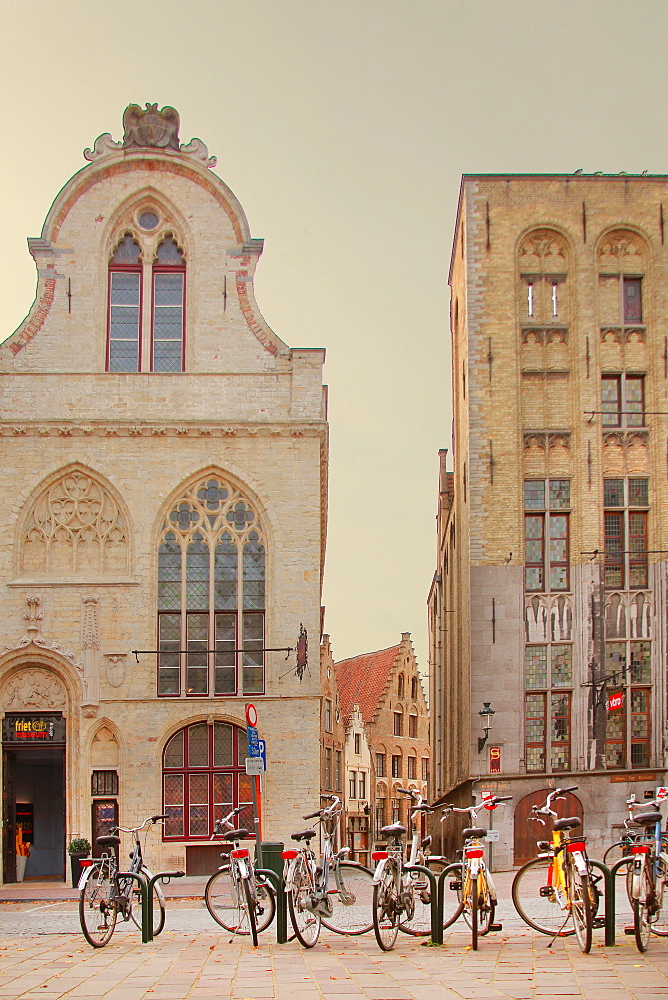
256 763
490 838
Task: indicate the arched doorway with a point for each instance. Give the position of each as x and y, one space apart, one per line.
527 832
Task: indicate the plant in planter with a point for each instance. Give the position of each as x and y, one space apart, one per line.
78 848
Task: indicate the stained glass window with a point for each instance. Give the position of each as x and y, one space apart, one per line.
632 717
535 667
211 595
562 665
626 562
205 782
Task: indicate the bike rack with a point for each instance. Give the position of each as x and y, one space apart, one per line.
143 885
609 883
453 866
147 907
281 902
436 912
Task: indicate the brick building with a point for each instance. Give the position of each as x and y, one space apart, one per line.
383 691
164 461
550 586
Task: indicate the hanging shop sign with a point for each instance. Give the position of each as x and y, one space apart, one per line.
495 760
615 702
27 729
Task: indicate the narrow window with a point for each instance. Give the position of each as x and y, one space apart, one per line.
396 765
555 300
125 303
530 299
412 726
361 785
337 770
546 535
352 785
414 688
328 767
632 292
611 400
168 308
425 769
358 743
380 765
398 724
412 768
328 715
625 533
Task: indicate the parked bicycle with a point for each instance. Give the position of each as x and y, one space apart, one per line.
103 897
556 887
336 892
475 887
648 875
632 835
401 897
237 898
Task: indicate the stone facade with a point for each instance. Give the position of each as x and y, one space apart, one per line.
104 468
550 585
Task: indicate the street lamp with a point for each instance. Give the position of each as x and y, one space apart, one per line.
486 723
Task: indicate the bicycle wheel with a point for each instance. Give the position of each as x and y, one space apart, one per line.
386 909
97 913
580 899
537 902
659 924
305 922
453 904
641 907
225 901
486 905
351 896
249 896
158 909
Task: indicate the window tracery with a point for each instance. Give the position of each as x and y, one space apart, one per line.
75 527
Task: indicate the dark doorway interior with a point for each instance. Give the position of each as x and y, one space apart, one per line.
39 779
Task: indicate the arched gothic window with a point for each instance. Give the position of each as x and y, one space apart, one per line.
211 595
146 292
203 772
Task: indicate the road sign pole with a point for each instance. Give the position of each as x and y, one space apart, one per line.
256 816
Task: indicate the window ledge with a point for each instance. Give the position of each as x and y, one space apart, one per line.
74 581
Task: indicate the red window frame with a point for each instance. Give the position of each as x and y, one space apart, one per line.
168 269
127 269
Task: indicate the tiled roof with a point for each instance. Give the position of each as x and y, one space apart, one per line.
362 679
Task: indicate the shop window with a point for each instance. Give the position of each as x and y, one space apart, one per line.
204 778
211 595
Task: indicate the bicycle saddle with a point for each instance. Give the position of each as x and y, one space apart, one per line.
473 831
303 835
111 840
426 842
239 834
647 819
393 830
567 823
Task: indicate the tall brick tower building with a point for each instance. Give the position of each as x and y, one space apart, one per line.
164 458
549 595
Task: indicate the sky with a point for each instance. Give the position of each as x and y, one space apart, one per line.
343 128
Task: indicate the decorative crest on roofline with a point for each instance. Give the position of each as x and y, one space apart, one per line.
150 129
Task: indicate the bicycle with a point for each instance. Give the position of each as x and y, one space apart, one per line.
236 897
343 907
402 898
648 878
103 895
557 885
622 848
475 887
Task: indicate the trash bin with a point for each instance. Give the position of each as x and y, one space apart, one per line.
272 857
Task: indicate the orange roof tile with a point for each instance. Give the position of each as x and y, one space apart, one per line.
361 680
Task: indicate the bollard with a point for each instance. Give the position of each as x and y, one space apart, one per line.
281 903
436 922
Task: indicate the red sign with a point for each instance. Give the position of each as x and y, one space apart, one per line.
251 715
495 760
488 795
615 702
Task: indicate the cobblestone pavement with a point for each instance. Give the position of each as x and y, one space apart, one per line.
42 954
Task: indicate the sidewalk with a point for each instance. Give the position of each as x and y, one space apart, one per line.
34 892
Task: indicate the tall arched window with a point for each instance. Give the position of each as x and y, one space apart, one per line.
211 595
125 307
169 274
204 778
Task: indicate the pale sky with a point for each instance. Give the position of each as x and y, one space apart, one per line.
343 128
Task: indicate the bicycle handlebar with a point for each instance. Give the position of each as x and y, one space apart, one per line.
329 811
136 829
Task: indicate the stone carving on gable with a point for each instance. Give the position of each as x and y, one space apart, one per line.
34 688
148 128
543 250
90 644
115 668
75 527
622 250
34 616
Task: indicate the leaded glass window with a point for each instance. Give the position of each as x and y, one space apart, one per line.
628 729
125 302
548 671
211 594
204 779
625 533
546 554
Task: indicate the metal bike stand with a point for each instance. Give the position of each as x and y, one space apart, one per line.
623 862
436 923
281 902
147 904
454 865
143 883
609 883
